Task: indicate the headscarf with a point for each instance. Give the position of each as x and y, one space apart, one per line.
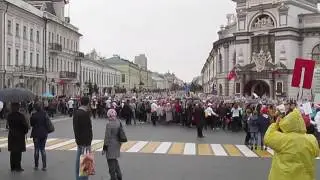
112 114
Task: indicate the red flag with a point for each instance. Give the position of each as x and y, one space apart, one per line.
308 66
232 74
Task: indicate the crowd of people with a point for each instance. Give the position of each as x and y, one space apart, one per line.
261 121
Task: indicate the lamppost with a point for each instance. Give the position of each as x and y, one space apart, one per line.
21 80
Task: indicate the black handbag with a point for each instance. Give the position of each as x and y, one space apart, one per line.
50 127
122 135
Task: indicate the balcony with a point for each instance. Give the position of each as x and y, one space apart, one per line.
55 48
79 55
68 75
25 69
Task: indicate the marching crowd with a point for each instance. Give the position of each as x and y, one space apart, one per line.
267 125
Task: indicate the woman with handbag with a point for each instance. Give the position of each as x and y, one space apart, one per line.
40 128
114 136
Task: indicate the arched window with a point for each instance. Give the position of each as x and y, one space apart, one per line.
316 54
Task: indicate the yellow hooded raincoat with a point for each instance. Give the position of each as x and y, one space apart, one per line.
295 151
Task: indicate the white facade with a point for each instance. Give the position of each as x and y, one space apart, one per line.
40 48
22 46
160 82
98 73
261 42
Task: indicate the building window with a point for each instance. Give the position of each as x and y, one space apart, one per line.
17 57
24 58
238 88
279 87
9 56
57 38
24 32
264 43
220 63
49 37
123 78
31 59
60 40
17 30
49 66
64 42
316 55
9 27
52 37
31 34
38 60
38 37
67 44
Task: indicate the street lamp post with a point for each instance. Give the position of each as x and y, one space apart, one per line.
21 80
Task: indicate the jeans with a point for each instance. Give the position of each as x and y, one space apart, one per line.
39 147
253 138
80 150
114 169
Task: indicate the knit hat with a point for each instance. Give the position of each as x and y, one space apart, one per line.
112 114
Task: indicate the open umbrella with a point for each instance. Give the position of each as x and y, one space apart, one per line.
47 95
16 95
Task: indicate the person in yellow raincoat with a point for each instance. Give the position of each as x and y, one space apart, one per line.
295 151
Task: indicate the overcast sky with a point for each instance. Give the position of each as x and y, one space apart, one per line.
175 35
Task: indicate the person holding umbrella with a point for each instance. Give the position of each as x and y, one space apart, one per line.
18 128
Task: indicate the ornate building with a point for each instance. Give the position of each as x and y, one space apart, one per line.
261 42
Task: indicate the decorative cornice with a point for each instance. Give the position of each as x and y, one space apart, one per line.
288 37
242 41
285 29
243 34
223 41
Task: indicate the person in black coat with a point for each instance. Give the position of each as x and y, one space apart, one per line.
82 128
18 128
39 133
127 112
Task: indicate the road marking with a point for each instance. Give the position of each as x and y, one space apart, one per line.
127 145
262 153
3 145
204 150
232 150
48 140
176 148
60 144
246 151
270 151
56 141
137 147
218 150
189 149
150 147
96 145
163 148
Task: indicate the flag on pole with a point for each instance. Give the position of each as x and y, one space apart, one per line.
232 74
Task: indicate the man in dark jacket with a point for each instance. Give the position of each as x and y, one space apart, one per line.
18 128
82 128
127 112
199 117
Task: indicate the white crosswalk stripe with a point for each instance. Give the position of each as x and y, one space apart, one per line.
163 148
246 151
137 147
60 144
218 150
189 149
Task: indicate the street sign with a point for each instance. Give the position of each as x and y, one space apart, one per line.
316 81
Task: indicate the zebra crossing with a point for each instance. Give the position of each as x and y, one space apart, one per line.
152 147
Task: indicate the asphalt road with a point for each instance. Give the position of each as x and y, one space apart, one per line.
148 166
